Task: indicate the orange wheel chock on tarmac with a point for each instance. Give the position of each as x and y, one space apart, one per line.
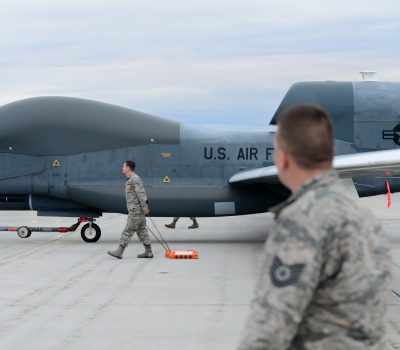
181 254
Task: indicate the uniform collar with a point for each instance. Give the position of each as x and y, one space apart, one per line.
324 179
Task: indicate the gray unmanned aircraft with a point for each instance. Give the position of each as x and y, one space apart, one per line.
62 156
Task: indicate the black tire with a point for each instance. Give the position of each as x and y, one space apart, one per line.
24 232
90 235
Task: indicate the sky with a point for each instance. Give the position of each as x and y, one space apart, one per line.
219 62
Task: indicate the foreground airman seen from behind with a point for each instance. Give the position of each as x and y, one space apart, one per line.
325 272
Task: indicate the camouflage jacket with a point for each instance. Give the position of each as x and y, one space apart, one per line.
136 198
324 277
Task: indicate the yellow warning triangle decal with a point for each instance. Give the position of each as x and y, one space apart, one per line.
56 163
166 179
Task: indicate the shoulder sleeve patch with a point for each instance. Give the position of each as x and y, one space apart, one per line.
283 275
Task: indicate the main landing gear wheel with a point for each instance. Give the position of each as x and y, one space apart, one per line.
24 232
90 234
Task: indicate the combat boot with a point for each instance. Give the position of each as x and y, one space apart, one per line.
172 224
118 252
147 254
194 225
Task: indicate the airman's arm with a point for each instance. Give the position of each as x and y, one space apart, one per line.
141 193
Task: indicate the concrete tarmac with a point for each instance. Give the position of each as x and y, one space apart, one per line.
58 292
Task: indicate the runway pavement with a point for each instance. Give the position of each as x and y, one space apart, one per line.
58 292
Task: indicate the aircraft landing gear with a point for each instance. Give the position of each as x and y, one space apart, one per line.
90 232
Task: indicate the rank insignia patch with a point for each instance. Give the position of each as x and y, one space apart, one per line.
284 275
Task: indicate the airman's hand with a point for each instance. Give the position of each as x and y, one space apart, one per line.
146 212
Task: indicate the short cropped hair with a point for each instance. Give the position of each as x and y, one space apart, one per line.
131 164
306 133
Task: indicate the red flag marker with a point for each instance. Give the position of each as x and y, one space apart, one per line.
389 200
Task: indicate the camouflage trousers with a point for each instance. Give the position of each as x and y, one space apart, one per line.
135 224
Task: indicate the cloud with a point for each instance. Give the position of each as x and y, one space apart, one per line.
195 91
197 61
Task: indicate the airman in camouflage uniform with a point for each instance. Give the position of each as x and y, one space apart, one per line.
325 269
136 200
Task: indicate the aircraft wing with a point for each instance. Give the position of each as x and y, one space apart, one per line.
366 164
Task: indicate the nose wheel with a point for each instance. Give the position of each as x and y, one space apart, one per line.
90 232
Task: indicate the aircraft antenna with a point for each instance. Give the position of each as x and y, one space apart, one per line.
369 75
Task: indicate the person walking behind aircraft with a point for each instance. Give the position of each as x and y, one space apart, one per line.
136 200
173 223
325 272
